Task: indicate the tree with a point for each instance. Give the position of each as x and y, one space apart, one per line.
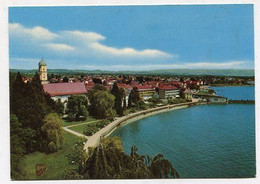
52 75
30 104
134 97
211 91
53 132
97 81
17 146
59 107
101 104
65 79
119 94
108 161
162 167
77 107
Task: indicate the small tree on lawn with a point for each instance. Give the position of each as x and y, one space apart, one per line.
53 132
77 107
101 104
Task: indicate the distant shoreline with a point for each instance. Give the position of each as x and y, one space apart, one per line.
231 85
162 72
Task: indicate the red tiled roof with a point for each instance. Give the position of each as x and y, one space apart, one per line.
144 87
56 89
176 83
167 87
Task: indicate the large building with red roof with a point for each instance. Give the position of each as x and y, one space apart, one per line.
63 90
168 92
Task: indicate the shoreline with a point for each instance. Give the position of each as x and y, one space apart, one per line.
109 129
231 85
143 117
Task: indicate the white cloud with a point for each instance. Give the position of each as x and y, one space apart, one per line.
59 47
129 51
81 44
38 33
84 36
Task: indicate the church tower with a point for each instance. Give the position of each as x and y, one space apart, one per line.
43 71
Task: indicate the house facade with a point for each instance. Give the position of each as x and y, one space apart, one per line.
168 92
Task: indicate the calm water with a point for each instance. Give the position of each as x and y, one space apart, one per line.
201 141
236 92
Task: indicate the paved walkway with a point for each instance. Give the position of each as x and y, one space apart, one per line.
75 133
94 139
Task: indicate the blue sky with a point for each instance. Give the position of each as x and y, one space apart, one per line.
132 37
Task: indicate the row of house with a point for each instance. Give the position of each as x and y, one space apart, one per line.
149 89
63 90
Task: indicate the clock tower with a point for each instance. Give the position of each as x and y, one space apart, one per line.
43 71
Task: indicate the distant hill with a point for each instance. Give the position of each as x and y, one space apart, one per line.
215 72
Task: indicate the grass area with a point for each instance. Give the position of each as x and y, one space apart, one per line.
79 128
67 123
91 128
56 163
203 93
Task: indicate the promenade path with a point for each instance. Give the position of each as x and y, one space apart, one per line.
75 133
93 140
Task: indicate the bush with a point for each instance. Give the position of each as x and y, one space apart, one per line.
102 123
71 117
90 130
71 174
52 147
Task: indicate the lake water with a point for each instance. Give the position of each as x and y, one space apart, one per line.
207 141
236 92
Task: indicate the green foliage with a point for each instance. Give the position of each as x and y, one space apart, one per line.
154 100
108 161
119 94
101 104
56 163
90 129
78 153
141 105
59 107
134 97
52 147
17 147
71 174
162 168
177 100
77 107
53 132
30 104
94 127
65 79
71 117
194 86
211 91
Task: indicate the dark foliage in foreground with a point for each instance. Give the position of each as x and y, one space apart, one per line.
108 161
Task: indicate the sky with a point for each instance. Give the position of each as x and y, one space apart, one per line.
122 38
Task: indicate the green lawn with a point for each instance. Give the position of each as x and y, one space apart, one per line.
203 93
56 163
79 128
67 123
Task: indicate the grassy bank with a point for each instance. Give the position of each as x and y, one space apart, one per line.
68 123
79 128
56 163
